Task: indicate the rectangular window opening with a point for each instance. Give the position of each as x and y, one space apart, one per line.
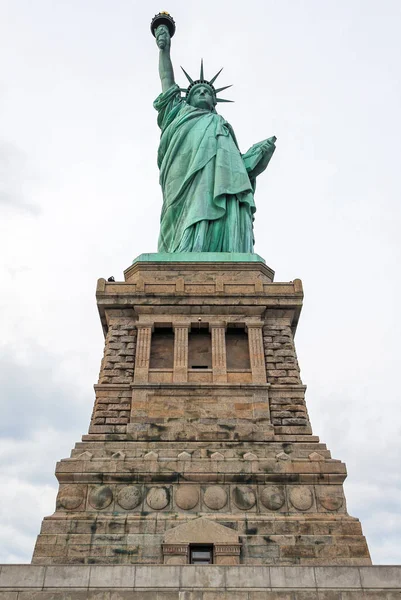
162 348
201 554
237 349
199 348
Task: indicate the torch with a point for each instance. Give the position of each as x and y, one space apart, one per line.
163 18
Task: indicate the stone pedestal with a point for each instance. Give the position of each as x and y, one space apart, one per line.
200 432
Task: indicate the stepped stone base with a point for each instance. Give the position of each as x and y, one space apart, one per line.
200 426
30 582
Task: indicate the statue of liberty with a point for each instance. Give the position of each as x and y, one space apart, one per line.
208 185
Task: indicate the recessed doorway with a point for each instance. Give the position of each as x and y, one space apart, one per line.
201 554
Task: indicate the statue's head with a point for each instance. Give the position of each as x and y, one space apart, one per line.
202 95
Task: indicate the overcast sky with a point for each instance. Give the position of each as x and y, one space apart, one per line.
79 199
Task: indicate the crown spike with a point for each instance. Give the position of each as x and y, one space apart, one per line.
223 88
222 100
216 76
187 76
201 77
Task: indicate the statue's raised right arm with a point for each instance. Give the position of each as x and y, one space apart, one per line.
166 72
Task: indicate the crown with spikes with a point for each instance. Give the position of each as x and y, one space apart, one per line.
202 80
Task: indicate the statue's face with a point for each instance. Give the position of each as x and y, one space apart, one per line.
202 97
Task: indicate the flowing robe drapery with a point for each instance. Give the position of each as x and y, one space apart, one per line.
208 202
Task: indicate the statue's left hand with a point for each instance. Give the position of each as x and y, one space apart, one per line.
257 158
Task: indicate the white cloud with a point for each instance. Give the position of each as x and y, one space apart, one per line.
33 395
13 171
22 507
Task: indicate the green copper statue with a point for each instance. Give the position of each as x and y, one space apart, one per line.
208 185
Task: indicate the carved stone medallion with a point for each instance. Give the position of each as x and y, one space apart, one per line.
330 497
215 497
158 498
301 497
129 497
70 497
244 497
101 497
272 497
187 496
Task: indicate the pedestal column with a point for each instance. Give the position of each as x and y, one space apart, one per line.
256 352
219 359
180 374
144 339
